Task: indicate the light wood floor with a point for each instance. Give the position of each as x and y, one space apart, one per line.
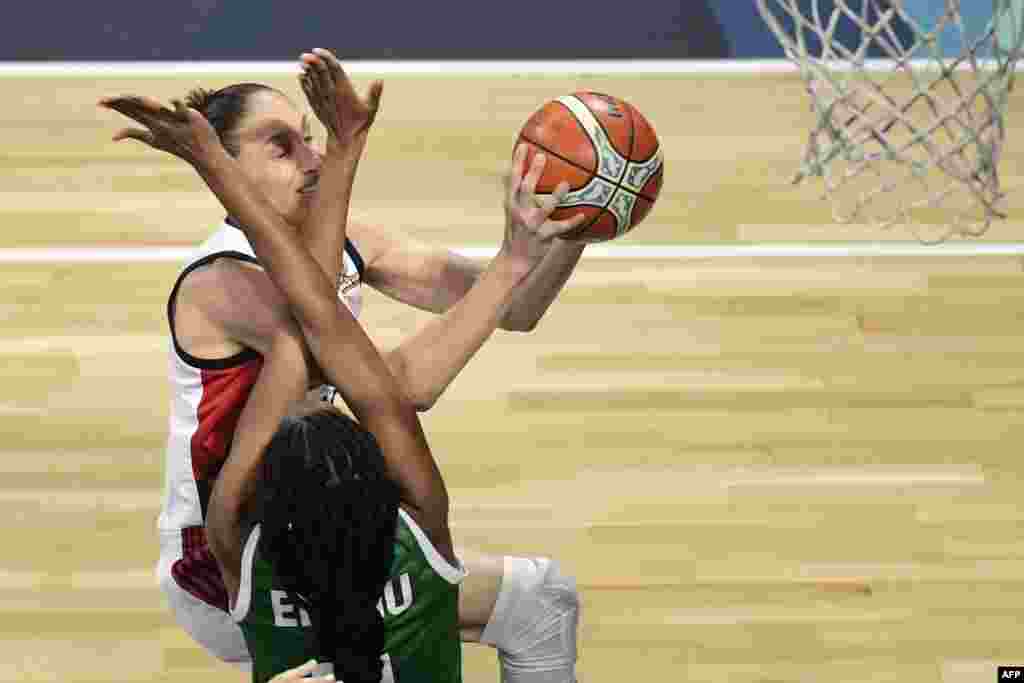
765 469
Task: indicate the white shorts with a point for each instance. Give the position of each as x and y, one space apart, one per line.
208 624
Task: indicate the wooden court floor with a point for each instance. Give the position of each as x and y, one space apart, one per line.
764 469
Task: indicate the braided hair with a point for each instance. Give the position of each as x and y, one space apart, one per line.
328 515
225 108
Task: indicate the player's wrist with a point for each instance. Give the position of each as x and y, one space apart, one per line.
511 267
344 150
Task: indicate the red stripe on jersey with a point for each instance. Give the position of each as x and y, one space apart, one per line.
224 395
198 573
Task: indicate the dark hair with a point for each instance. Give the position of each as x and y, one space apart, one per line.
224 108
328 513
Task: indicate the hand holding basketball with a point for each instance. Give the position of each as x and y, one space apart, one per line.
181 131
609 155
529 229
346 115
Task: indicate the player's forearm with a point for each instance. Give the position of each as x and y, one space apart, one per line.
323 234
408 459
426 363
351 362
282 381
289 265
534 296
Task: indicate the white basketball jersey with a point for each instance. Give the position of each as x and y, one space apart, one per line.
208 394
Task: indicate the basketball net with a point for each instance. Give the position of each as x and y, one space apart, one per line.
913 139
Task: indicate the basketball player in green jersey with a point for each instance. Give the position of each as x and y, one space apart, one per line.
334 563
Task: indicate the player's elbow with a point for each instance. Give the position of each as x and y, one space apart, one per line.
318 323
421 394
422 398
424 402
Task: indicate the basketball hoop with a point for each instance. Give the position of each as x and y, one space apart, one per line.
913 138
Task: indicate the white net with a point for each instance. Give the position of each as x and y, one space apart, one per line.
913 136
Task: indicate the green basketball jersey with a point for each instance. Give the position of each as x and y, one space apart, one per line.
419 605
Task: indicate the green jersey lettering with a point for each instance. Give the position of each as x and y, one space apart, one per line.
419 606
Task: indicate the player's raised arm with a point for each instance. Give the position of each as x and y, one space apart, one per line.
429 360
347 117
282 381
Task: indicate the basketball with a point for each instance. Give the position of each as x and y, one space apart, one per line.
608 153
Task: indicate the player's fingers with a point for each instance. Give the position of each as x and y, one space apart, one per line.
306 62
301 673
307 668
147 108
374 95
122 104
145 102
314 69
325 78
106 102
139 134
515 177
182 111
552 229
132 111
334 69
550 202
533 175
136 101
306 83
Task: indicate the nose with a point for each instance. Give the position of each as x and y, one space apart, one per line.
310 158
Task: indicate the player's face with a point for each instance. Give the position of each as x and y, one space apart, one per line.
277 155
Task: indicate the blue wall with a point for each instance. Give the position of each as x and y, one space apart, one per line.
379 29
398 29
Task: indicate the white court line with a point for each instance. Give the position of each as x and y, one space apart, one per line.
643 252
431 68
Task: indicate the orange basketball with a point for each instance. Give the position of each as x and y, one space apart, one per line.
608 153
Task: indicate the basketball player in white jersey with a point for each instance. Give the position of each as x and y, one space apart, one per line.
224 310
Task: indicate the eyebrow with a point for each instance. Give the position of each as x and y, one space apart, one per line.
276 127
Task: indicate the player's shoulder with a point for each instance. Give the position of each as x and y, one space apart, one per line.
433 548
222 272
227 289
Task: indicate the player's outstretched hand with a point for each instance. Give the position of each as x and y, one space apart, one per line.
346 114
180 131
296 675
529 229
